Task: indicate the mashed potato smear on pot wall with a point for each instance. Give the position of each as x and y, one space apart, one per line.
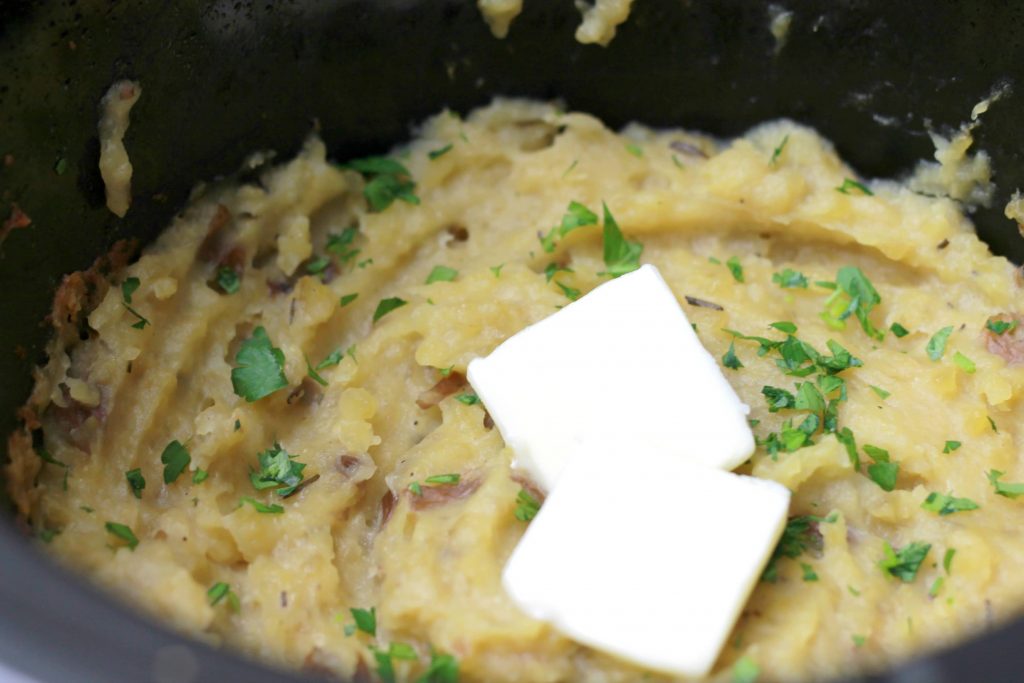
260 430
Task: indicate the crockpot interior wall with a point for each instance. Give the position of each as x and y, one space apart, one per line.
221 79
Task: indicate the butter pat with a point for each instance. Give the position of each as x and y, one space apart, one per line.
618 372
651 564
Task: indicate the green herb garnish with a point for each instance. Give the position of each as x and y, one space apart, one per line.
880 392
136 481
228 280
273 509
220 591
387 180
123 532
175 459
904 563
849 184
312 373
1000 327
278 470
386 306
854 295
620 255
964 363
951 446
440 152
441 274
790 279
946 504
199 476
442 669
808 572
736 268
1002 488
340 244
730 360
468 399
899 330
260 370
346 299
571 293
745 670
777 152
883 471
443 479
936 346
527 506
366 620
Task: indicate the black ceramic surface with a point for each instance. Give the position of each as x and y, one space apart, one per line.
223 78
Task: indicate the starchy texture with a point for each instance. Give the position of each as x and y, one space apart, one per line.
115 166
267 411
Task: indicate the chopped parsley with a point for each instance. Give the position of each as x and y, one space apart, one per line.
620 255
947 504
577 216
849 184
936 346
219 591
260 370
331 360
951 446
730 360
904 563
346 299
527 506
854 295
992 424
790 279
416 488
553 269
387 180
366 620
318 265
778 399
47 535
278 470
442 669
777 152
443 479
571 293
635 150
122 532
199 476
136 481
883 471
1002 488
858 640
846 437
936 586
340 244
947 559
175 459
440 152
899 330
128 287
228 280
496 270
880 392
784 326
809 398
736 268
808 572
385 306
273 509
468 399
964 363
441 274
745 670
312 373
800 535
1000 327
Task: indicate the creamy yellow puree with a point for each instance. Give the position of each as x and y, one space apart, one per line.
355 536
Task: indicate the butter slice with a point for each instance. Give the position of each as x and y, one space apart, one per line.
650 563
618 372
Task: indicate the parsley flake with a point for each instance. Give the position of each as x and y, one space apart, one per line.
778 399
366 620
347 299
849 184
496 270
1002 488
273 509
800 535
904 563
883 471
122 532
964 363
577 216
571 293
416 488
553 269
175 459
136 481
385 306
854 295
443 668
220 591
441 274
784 326
777 152
199 476
947 559
635 150
278 470
443 479
745 670
736 268
228 280
1000 327
128 287
331 360
947 504
951 446
936 346
790 279
440 152
340 244
260 370
387 180
808 572
312 373
730 360
880 392
899 330
527 506
468 399
620 255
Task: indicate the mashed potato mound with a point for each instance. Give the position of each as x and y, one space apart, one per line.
310 286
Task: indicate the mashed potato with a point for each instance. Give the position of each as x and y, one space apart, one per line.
144 464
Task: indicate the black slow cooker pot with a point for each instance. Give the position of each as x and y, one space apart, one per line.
222 78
